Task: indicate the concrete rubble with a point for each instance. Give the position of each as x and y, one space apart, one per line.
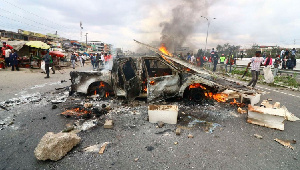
269 115
55 146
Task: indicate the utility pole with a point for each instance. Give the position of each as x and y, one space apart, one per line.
208 23
86 40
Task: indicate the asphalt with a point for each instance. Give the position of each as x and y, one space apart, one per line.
230 146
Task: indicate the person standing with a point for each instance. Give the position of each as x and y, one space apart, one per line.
83 59
276 65
282 54
73 58
92 60
14 60
7 53
256 63
222 59
293 57
80 59
230 62
47 59
192 59
284 62
215 61
97 60
242 55
268 61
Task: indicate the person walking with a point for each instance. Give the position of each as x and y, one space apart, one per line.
97 60
282 54
276 65
215 61
14 60
230 62
83 59
46 58
51 64
256 63
284 63
73 58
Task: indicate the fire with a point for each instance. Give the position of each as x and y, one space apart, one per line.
237 103
145 89
101 84
219 97
197 85
95 92
106 94
75 112
152 83
164 50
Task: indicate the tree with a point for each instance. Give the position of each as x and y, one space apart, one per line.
200 53
251 52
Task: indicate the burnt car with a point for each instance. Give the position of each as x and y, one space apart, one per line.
153 77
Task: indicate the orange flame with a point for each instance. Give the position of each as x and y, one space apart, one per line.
152 83
75 112
164 50
237 103
219 97
106 94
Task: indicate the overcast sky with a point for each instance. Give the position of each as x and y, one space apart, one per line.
238 22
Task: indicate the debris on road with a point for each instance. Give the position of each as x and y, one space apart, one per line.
268 115
286 143
190 136
160 124
88 105
109 124
178 131
258 136
165 113
241 111
102 149
55 146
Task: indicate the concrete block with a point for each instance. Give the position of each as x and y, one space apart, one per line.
178 131
165 113
108 124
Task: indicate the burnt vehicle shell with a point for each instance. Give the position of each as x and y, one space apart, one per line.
146 76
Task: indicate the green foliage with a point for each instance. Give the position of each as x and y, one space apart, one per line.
228 49
287 80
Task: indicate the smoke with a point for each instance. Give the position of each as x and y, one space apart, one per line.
185 17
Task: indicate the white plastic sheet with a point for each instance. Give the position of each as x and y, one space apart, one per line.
269 77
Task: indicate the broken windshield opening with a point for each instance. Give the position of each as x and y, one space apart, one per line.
156 68
128 71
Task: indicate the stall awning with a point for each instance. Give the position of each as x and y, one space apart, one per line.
57 53
17 45
38 44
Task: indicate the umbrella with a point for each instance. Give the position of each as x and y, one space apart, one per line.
38 44
57 53
17 45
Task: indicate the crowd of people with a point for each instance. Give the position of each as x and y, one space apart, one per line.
11 57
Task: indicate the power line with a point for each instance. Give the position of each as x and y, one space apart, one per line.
37 15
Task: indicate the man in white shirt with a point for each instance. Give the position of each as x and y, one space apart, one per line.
7 53
256 63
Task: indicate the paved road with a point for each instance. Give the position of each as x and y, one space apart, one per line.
231 146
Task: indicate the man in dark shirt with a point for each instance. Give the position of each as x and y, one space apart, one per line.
14 60
47 59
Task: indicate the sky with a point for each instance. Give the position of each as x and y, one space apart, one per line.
118 22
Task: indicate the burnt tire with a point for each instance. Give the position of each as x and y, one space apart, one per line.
197 94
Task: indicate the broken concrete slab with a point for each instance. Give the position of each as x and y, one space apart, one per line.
165 113
55 146
109 124
269 115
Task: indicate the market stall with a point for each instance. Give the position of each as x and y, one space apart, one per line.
36 52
